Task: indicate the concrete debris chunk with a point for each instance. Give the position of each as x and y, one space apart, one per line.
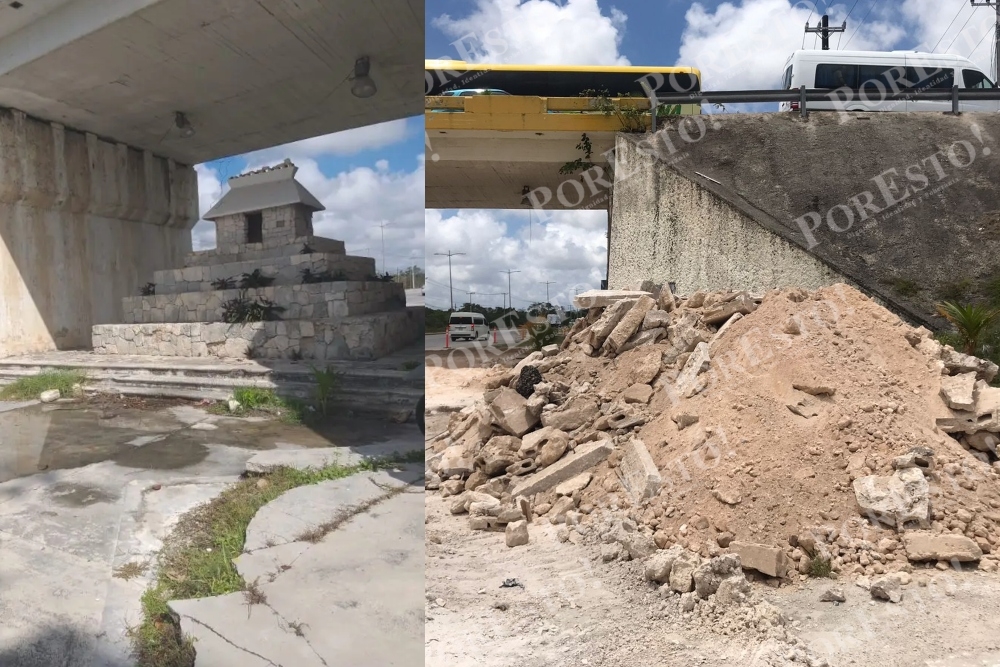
761 557
637 471
516 533
741 304
603 298
584 458
546 446
649 337
49 396
598 332
656 319
887 588
629 323
576 412
834 594
956 363
571 486
958 391
511 413
682 571
638 393
897 500
925 546
696 364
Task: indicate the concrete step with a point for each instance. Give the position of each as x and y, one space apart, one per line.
258 251
368 387
286 270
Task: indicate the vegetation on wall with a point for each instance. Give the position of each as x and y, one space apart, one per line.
243 309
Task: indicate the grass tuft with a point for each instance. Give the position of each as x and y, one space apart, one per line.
28 388
820 567
197 557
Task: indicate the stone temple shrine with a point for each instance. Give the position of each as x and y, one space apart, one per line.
270 289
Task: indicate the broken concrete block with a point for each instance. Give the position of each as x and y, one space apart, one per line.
984 441
656 319
683 420
918 457
696 364
576 412
511 413
516 533
571 486
956 363
922 545
650 337
708 576
499 453
638 393
602 328
585 456
682 571
897 500
761 557
550 350
637 471
835 594
599 298
629 323
455 461
657 566
887 588
546 446
723 329
958 391
814 389
696 300
741 304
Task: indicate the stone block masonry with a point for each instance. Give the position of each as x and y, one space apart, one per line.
310 301
267 249
364 337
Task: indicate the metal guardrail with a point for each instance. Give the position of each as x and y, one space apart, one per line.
842 96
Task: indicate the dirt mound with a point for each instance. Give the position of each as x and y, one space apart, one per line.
801 431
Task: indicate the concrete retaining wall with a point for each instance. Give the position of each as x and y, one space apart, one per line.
285 270
669 229
362 337
238 252
83 222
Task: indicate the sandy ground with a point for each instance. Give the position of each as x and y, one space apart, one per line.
454 388
575 610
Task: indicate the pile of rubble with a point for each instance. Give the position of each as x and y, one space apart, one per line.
791 434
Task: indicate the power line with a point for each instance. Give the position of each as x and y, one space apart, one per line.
861 24
988 32
960 31
852 9
995 4
960 8
451 289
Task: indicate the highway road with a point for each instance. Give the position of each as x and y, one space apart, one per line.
436 341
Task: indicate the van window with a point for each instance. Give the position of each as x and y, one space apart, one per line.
479 319
976 79
930 77
836 76
461 320
882 78
786 81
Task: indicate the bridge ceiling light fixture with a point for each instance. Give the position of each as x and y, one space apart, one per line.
183 124
363 85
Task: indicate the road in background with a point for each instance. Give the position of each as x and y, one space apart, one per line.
508 337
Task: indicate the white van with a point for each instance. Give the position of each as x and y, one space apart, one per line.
880 73
468 326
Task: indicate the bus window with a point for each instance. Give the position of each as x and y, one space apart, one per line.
836 76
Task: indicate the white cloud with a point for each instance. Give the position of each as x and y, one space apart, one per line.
569 249
356 202
575 32
348 142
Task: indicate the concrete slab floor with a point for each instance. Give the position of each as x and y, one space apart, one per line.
87 488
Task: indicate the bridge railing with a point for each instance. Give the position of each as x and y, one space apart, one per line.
545 104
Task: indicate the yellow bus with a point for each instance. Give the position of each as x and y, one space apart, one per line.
443 77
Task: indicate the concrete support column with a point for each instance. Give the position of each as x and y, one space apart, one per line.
83 223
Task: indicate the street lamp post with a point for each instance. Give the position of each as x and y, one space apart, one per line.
451 289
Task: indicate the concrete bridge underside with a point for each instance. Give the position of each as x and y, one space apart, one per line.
96 185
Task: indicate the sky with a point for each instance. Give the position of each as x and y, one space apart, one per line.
363 177
737 45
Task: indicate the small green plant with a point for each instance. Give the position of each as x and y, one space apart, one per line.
580 164
955 291
972 323
327 380
905 287
224 283
295 355
255 280
410 365
338 276
631 117
541 335
310 276
28 388
820 567
149 289
241 310
307 249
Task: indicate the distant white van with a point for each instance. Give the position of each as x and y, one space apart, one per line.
878 74
468 326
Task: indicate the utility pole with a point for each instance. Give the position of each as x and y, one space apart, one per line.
996 33
451 289
382 227
550 282
471 304
509 292
824 29
504 300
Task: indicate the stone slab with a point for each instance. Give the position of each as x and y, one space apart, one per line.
585 456
320 457
629 323
637 471
603 298
923 545
761 557
742 304
305 508
959 391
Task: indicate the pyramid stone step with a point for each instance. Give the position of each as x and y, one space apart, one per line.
286 270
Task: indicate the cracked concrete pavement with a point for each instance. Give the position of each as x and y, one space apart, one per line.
79 499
